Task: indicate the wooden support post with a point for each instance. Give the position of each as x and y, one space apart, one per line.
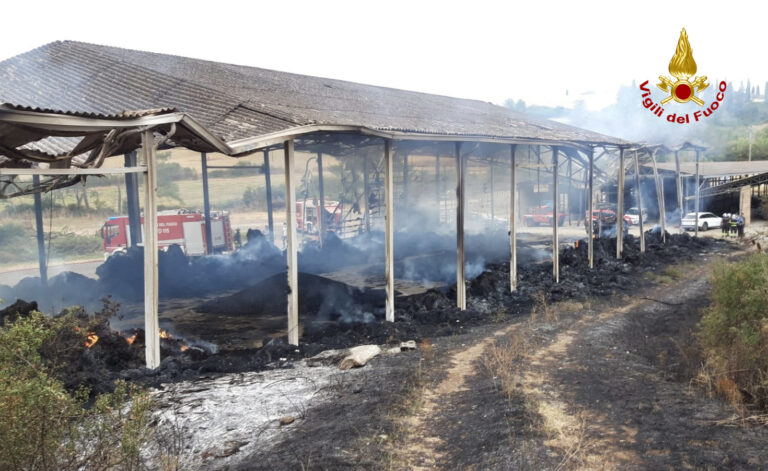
490 178
321 186
268 183
438 195
679 188
620 207
41 259
291 245
570 188
461 276
638 193
696 205
512 225
206 205
591 208
132 199
389 231
151 321
660 196
366 197
555 216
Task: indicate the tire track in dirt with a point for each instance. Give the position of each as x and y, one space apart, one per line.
423 452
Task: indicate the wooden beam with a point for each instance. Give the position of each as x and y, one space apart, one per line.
291 245
698 189
461 277
322 197
389 232
72 171
367 196
151 321
206 204
41 258
591 208
268 183
512 222
555 216
679 183
620 207
638 192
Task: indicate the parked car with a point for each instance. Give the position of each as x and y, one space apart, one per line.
633 216
706 221
604 222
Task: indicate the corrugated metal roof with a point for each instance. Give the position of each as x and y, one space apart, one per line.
718 169
237 102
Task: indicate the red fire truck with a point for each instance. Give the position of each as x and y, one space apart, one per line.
308 215
182 227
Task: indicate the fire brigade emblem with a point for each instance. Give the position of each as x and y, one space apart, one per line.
683 68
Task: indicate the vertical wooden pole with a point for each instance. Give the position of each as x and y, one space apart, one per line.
555 216
620 207
206 205
696 205
291 245
132 199
512 225
660 196
438 195
40 233
638 192
679 188
321 186
389 231
570 188
268 183
591 208
461 276
151 321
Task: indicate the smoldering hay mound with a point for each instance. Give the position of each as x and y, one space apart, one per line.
319 298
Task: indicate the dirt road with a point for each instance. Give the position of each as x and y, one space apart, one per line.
603 386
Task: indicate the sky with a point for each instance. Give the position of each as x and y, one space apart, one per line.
547 53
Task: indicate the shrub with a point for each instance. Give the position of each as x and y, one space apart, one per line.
734 330
45 427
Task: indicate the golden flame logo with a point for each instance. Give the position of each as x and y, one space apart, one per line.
683 67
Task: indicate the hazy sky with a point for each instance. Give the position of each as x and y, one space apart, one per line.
534 50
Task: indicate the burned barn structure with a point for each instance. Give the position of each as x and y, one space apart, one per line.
71 112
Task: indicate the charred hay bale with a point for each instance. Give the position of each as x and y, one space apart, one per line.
18 309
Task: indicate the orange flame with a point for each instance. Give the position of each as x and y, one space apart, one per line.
184 348
131 339
91 340
682 64
165 335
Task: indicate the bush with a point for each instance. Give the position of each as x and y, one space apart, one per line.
45 427
734 330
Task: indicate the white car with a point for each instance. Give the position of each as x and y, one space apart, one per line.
633 215
706 221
